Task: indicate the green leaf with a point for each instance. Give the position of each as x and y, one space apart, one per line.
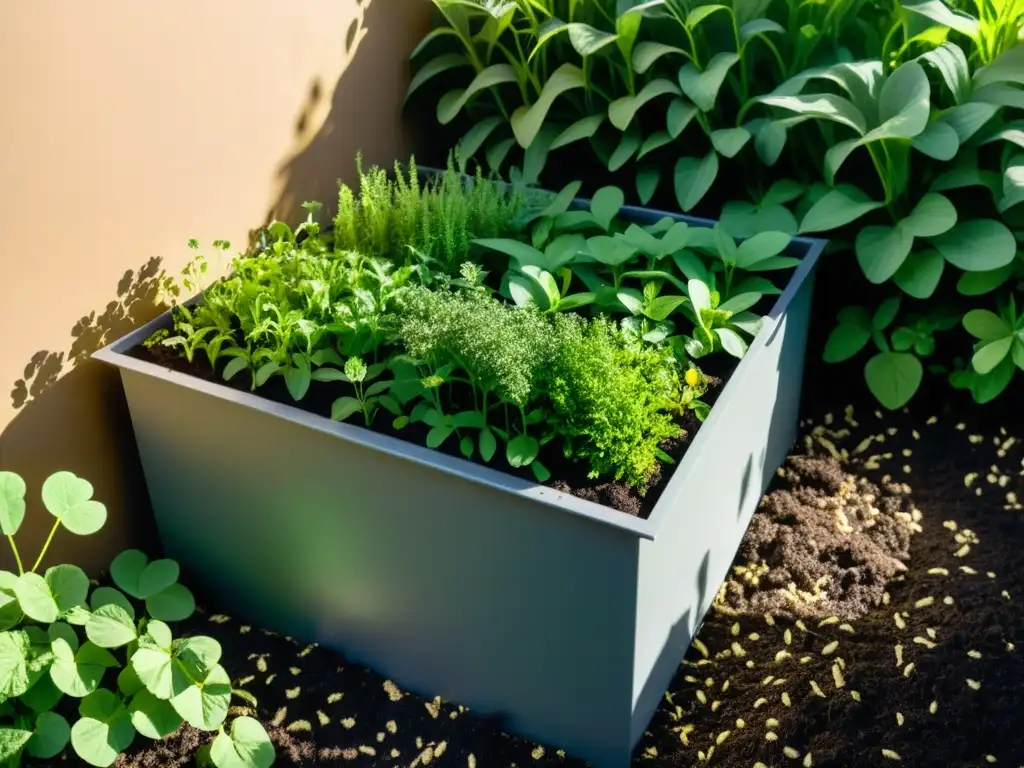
12 502
770 140
244 745
78 673
759 27
837 208
680 113
522 450
980 283
435 67
1008 67
626 148
152 717
990 355
69 499
583 128
761 246
21 663
822 106
110 626
127 568
175 603
932 216
157 576
488 445
527 120
881 251
43 696
587 40
105 730
45 599
939 141
610 251
475 137
986 325
977 245
654 141
845 341
205 707
885 313
729 141
920 274
606 204
663 306
740 302
449 105
942 14
110 596
345 407
647 52
893 378
51 735
647 180
699 295
952 64
12 742
437 435
967 119
702 87
732 342
693 179
497 152
622 111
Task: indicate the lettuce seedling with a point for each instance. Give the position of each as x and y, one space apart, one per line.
60 637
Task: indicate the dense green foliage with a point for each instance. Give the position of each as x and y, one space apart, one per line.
492 318
59 635
895 130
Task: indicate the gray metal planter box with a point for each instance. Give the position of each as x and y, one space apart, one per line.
565 617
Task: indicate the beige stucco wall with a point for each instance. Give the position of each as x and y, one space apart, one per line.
127 128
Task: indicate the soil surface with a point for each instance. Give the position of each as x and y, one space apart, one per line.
566 476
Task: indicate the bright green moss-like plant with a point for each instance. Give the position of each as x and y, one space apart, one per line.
612 404
58 636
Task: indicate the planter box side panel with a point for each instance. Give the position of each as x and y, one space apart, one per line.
681 570
449 587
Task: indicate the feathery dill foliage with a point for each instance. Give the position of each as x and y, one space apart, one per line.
612 404
438 218
501 347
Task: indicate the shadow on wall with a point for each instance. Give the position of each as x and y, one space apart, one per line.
364 112
64 387
84 401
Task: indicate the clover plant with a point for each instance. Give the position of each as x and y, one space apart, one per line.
105 656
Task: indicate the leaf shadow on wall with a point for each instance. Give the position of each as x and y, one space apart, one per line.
70 414
362 114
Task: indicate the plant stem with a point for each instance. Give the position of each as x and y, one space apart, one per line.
46 545
17 555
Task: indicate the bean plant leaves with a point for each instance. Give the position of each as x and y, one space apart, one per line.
986 325
522 450
680 113
152 717
693 178
606 204
110 596
729 141
79 672
527 120
837 208
881 251
940 13
69 499
1007 68
991 354
205 706
967 119
449 105
647 52
622 111
647 180
12 502
932 216
244 745
702 87
920 274
583 128
939 141
44 599
104 730
435 67
977 245
176 603
980 283
51 735
21 663
110 626
12 741
951 62
894 377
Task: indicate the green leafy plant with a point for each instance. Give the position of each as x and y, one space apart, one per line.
998 351
161 681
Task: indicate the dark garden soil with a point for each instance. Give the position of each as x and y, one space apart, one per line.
566 476
873 617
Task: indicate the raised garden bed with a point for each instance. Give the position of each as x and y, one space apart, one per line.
565 617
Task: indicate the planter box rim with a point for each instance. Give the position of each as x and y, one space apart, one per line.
116 354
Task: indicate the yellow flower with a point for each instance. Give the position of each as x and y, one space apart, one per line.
691 377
